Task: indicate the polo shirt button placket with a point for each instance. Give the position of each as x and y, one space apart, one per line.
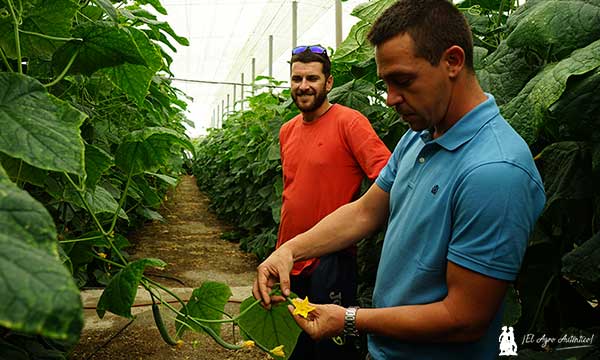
422 159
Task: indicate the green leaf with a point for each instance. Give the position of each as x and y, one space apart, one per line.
98 198
354 94
155 3
149 149
48 17
108 8
270 328
371 10
355 48
207 302
19 171
97 161
512 307
576 112
39 128
150 195
38 293
527 110
104 45
119 295
504 72
581 264
167 179
133 79
554 28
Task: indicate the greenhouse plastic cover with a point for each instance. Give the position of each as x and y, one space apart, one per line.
225 35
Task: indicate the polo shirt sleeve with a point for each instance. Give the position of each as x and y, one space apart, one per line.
386 177
494 209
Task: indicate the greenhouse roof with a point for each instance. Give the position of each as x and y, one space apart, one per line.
225 35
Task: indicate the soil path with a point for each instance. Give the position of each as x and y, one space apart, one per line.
189 242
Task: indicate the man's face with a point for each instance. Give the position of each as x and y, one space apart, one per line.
418 91
309 87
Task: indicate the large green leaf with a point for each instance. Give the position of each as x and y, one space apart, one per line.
97 161
270 328
554 28
207 302
149 149
354 94
576 112
120 293
137 14
104 45
133 79
526 111
47 17
19 171
370 11
581 265
98 198
37 127
108 8
38 293
504 72
355 48
156 4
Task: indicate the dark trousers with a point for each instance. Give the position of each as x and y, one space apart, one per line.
333 281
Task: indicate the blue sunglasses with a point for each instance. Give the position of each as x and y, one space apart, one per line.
315 49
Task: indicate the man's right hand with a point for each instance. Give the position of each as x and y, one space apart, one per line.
275 269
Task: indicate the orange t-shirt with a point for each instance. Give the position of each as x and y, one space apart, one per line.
324 162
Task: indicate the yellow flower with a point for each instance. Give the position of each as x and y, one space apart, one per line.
179 343
102 255
302 307
278 351
248 343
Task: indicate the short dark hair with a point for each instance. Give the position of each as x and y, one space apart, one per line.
434 26
308 56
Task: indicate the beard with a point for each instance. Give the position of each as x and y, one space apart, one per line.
318 100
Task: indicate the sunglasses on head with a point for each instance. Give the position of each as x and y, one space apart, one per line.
315 49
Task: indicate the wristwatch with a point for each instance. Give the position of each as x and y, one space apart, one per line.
350 321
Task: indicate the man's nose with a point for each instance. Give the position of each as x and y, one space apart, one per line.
394 97
304 84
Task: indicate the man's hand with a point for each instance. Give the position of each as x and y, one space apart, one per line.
275 269
324 322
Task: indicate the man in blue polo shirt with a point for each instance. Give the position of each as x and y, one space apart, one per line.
461 193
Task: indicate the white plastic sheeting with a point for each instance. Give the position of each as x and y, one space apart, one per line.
225 35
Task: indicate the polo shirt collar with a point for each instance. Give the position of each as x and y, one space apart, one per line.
465 128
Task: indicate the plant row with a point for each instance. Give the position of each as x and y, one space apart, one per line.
92 138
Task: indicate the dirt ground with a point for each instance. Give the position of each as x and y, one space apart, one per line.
189 242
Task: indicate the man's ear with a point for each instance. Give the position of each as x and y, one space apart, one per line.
454 60
329 83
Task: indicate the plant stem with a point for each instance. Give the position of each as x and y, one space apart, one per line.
80 240
17 39
85 203
5 60
64 72
541 302
106 235
49 37
121 200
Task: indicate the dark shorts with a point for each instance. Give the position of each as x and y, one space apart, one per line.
333 281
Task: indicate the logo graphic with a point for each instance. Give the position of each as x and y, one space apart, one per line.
435 189
508 346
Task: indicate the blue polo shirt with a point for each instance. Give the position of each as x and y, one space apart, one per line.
471 196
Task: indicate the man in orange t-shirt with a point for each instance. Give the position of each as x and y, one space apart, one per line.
326 151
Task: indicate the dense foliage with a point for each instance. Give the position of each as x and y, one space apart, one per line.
541 61
90 140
